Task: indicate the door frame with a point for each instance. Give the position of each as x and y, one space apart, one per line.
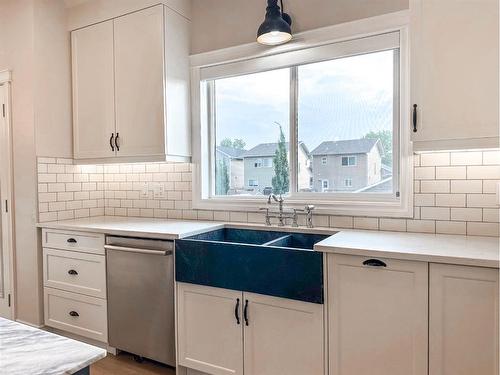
7 208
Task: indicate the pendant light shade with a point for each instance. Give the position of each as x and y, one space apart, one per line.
276 26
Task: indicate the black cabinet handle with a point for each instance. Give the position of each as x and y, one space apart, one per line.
374 263
71 240
245 312
74 313
414 118
111 142
237 311
73 272
117 144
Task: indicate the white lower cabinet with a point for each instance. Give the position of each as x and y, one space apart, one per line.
283 337
209 336
463 320
229 332
377 316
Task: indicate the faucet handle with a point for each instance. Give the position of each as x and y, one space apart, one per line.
309 208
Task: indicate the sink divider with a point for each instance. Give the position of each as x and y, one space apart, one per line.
276 240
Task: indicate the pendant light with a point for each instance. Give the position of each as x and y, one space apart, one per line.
276 26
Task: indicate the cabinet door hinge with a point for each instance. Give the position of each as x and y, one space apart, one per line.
8 299
397 194
6 206
3 110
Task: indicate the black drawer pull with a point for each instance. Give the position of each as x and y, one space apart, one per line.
71 240
237 311
374 263
414 118
73 272
245 312
74 313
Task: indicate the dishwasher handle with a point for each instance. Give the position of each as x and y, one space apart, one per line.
136 250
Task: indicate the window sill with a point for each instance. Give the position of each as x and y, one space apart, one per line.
386 208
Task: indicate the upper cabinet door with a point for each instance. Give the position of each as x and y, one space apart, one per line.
463 320
139 83
209 329
377 316
455 73
282 336
93 91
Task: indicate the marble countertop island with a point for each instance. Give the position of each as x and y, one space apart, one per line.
26 350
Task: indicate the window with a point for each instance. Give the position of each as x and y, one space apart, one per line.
267 162
302 119
348 161
252 121
324 185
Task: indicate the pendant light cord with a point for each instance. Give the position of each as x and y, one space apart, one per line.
282 9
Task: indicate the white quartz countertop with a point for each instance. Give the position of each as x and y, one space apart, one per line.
135 227
438 248
26 350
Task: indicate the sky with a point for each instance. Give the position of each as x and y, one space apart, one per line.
338 99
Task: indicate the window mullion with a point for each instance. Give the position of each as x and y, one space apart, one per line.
293 146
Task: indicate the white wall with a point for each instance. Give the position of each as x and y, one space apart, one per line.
225 23
52 74
34 45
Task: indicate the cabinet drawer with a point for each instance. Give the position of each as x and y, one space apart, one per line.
75 313
77 241
75 272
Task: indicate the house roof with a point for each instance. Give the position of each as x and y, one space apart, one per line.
269 149
234 153
349 146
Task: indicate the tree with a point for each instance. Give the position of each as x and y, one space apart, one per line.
281 180
385 137
238 144
222 178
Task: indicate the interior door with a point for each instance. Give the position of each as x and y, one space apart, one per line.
5 208
209 329
93 91
139 83
283 337
377 316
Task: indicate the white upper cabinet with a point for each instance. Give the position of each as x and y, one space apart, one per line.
139 78
93 91
132 74
463 320
377 316
455 73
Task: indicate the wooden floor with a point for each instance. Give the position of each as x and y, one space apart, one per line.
124 364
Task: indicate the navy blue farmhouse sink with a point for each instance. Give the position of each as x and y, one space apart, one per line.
266 262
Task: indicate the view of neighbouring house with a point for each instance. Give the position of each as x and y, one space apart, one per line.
259 168
348 165
353 165
232 159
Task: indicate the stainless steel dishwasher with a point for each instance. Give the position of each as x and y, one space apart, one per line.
140 285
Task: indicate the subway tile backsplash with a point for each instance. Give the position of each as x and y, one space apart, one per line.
454 194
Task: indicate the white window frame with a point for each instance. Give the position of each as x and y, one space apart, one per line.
348 182
323 187
324 160
256 182
367 35
348 157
